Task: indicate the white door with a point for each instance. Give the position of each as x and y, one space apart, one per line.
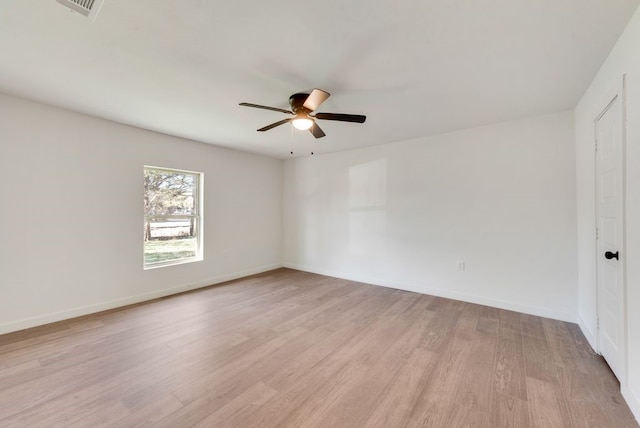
610 234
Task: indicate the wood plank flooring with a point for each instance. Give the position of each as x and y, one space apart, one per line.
293 349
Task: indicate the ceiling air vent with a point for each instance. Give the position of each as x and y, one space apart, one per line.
85 7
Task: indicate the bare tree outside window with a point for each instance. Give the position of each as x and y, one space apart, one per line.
171 216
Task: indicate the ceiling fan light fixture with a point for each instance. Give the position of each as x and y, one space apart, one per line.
302 107
302 123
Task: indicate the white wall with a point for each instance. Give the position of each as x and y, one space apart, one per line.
624 58
501 198
71 214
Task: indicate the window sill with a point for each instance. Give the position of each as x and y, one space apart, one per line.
172 263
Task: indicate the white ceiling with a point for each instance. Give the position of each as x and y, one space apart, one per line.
414 67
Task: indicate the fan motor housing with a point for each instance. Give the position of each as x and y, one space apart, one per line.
296 101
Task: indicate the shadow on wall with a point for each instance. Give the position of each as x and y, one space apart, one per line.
367 209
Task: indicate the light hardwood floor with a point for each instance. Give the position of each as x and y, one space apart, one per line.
293 349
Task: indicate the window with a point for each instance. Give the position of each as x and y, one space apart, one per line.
172 216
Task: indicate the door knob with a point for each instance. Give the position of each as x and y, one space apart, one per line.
609 255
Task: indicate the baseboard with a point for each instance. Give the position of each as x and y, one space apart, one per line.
588 334
632 401
470 298
113 304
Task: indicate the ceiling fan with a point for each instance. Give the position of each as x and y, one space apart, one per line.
302 105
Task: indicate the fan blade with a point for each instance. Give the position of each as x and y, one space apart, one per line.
315 98
266 107
273 125
316 131
358 118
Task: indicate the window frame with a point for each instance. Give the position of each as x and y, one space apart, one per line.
198 201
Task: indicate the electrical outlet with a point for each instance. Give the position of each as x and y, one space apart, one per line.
460 264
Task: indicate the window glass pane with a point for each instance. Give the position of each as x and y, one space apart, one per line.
170 239
168 192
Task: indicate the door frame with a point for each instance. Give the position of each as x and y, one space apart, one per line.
615 91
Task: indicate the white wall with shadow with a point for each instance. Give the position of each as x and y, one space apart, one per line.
501 198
